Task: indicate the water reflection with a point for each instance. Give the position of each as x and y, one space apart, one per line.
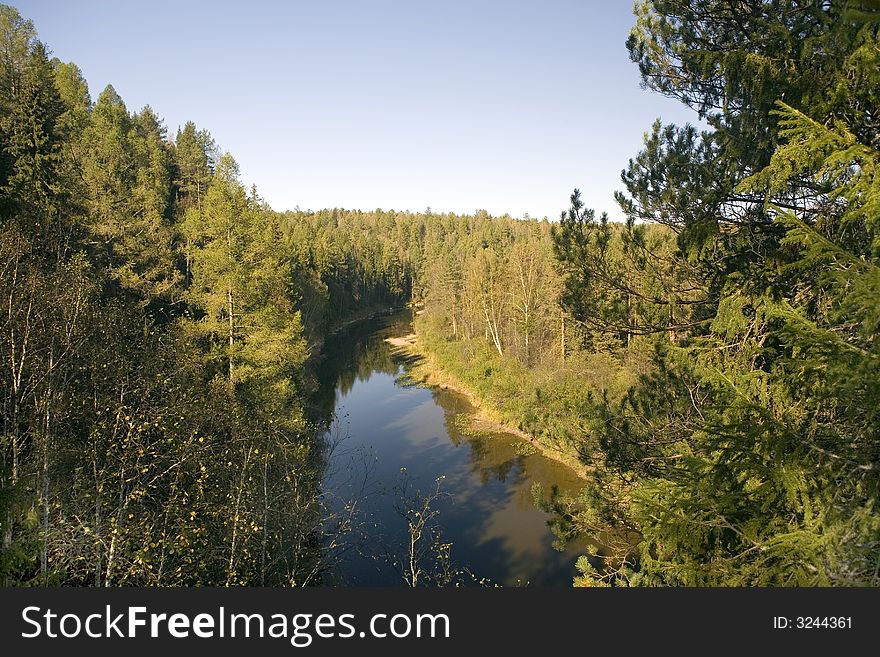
489 515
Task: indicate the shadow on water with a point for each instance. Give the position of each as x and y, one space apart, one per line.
487 512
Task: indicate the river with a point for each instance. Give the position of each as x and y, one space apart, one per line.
392 440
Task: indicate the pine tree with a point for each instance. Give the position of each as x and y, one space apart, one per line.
243 283
752 443
33 148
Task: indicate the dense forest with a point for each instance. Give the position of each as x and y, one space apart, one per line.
712 360
723 382
159 323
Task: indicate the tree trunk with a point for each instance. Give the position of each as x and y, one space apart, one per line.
236 518
99 557
629 319
44 475
492 328
265 521
231 308
562 340
454 323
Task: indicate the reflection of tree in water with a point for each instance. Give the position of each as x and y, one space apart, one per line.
352 355
493 456
357 353
370 356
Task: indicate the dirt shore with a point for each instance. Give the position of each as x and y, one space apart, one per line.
424 369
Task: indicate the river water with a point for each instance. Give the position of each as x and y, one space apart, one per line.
392 441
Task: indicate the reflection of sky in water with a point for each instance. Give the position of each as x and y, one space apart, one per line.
489 516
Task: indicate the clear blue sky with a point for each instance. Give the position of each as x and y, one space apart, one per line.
456 105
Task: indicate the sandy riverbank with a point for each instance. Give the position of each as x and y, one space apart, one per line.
424 369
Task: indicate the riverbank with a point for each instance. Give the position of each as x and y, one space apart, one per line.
405 445
362 315
424 369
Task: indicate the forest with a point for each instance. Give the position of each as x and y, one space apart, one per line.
711 361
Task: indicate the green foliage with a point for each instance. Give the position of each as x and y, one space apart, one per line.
713 360
747 450
154 371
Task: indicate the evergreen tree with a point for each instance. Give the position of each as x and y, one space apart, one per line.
744 467
244 284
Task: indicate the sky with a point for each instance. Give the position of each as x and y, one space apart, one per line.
393 104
